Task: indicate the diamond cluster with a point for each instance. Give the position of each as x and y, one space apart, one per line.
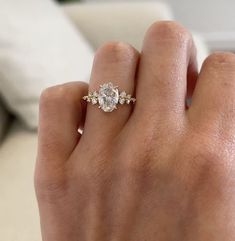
108 97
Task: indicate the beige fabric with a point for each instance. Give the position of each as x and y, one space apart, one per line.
19 219
18 211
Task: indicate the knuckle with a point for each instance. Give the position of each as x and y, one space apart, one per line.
48 188
60 94
51 94
169 31
95 172
209 158
136 166
131 166
221 59
116 52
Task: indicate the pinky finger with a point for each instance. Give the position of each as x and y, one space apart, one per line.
61 114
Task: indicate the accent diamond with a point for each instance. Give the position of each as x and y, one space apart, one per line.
122 97
122 101
94 101
95 94
123 94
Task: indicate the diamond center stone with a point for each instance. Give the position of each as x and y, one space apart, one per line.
108 97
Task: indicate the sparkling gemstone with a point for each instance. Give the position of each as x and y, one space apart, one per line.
123 94
95 94
94 101
108 97
122 101
122 98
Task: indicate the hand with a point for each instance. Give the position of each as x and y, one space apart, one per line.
153 171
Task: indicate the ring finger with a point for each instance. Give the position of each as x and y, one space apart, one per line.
114 62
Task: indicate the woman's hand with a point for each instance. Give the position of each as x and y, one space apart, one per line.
153 171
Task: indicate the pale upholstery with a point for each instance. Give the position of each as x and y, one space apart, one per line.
18 211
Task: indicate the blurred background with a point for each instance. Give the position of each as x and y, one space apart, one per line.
213 19
46 42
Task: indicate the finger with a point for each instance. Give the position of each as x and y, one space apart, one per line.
116 63
168 52
61 115
214 96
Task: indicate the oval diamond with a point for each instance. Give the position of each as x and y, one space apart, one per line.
108 97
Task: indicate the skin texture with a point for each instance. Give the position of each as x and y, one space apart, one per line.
155 171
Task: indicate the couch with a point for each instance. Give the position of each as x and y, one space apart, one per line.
19 218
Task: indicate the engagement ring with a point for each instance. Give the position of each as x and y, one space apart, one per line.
108 97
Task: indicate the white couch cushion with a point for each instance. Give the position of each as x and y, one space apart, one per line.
39 47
